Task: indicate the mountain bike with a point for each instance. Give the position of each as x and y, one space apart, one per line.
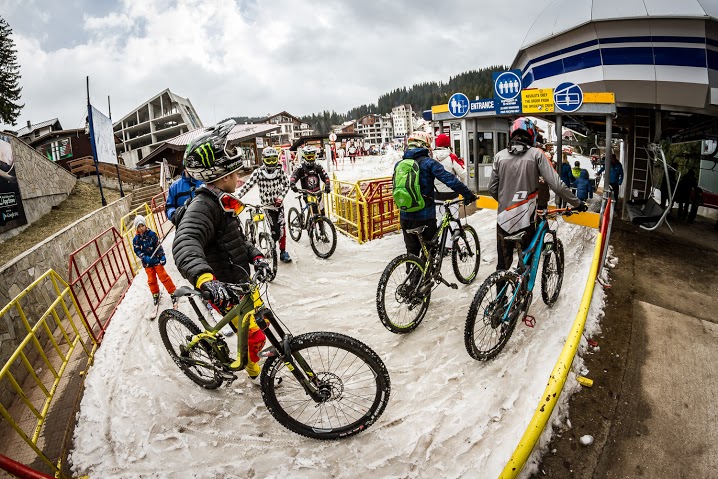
506 295
258 230
332 386
321 230
405 286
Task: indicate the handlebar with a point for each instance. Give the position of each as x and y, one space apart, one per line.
315 193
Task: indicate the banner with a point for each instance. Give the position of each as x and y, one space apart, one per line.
12 214
57 150
102 137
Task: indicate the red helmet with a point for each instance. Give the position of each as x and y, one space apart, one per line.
524 129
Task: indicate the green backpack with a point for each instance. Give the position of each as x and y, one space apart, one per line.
405 186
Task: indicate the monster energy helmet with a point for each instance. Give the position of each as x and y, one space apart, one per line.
209 158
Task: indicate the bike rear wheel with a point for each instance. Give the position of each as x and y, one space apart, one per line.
323 237
488 327
401 308
466 255
176 330
552 271
265 243
294 224
249 230
353 376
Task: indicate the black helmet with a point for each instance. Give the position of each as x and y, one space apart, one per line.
309 157
209 157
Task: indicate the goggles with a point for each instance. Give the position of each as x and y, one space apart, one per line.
310 156
271 160
230 204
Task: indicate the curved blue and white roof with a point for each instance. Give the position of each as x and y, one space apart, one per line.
657 52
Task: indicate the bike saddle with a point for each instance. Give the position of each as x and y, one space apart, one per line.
418 230
518 237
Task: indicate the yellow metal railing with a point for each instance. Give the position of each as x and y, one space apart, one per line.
128 233
345 205
36 367
558 376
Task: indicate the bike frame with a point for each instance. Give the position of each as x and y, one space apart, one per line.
310 207
440 236
251 306
258 215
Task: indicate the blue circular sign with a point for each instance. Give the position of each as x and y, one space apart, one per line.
507 86
568 97
459 105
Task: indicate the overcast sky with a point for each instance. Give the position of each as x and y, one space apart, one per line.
249 57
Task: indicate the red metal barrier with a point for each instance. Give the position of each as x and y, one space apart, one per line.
20 470
157 206
93 284
382 216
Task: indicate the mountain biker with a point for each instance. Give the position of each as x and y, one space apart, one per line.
454 165
209 248
311 175
514 184
273 186
419 149
180 192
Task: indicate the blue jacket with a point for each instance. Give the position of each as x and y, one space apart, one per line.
566 174
430 169
616 174
145 244
584 186
180 191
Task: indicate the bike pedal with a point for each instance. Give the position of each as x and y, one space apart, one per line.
529 321
453 286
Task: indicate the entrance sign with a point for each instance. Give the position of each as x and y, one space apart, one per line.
568 97
537 100
484 104
458 105
507 92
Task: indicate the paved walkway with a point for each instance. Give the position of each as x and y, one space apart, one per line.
653 409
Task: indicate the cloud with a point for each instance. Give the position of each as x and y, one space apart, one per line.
250 57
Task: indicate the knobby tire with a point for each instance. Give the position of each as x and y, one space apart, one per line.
395 286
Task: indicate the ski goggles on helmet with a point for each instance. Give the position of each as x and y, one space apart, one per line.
230 204
310 156
271 160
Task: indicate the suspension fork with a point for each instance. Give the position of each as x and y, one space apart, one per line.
281 341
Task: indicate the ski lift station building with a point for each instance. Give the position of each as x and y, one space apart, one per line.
658 57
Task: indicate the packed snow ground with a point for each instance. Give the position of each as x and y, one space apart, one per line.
448 415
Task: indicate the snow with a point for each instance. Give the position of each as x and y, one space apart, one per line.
448 415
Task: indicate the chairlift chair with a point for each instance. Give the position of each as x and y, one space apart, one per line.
649 215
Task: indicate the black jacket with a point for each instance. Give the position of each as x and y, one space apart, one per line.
309 179
208 240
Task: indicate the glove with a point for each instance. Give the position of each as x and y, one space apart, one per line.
163 260
327 188
582 207
294 188
278 201
261 266
469 199
219 294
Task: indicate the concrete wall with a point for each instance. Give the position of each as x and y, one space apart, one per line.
43 184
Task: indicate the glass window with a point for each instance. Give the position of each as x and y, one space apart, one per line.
502 140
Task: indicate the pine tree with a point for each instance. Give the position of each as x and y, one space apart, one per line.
9 76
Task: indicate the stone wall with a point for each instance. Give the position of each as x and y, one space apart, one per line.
43 184
53 253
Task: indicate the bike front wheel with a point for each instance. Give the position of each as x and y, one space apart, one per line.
492 316
353 378
176 331
249 230
295 224
552 271
400 304
265 243
323 237
466 255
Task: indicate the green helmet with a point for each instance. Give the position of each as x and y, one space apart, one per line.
209 158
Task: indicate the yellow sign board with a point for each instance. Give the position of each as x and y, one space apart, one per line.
440 108
539 100
602 97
